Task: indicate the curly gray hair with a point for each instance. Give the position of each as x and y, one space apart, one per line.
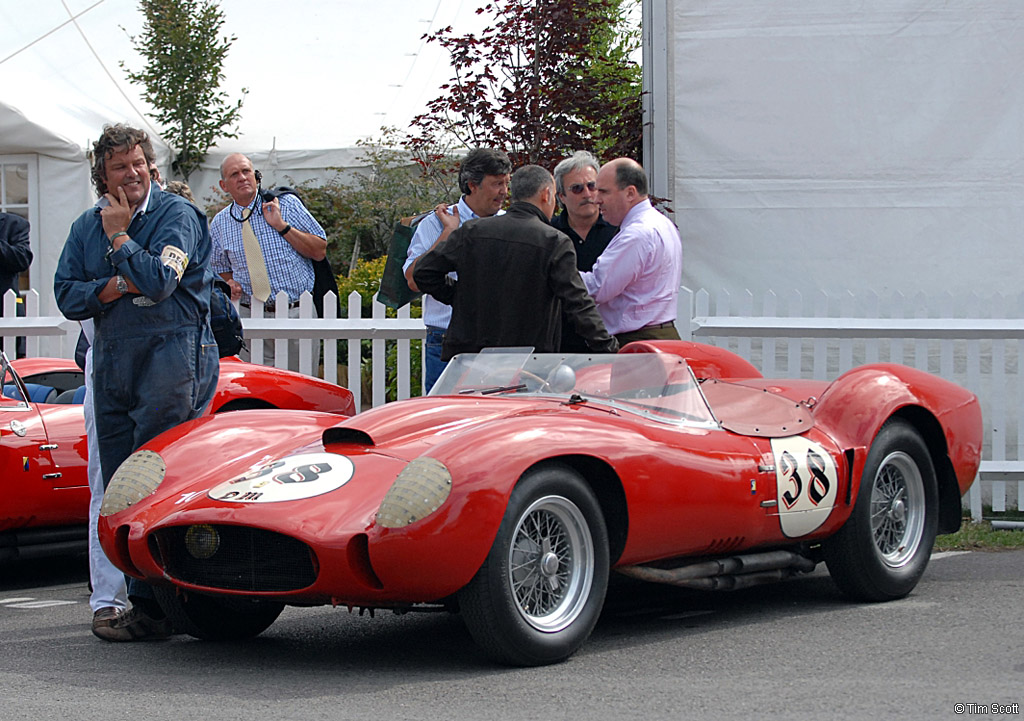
577 161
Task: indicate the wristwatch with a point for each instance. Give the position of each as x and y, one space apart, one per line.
122 285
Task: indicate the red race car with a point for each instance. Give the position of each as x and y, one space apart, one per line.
512 491
43 448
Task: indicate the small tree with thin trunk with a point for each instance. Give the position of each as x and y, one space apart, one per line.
182 76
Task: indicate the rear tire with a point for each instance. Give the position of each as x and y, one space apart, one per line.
539 593
884 546
217 619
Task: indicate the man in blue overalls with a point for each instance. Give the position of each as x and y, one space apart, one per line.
137 264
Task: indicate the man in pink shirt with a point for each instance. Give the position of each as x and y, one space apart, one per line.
635 281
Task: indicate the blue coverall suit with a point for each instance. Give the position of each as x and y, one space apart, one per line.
155 362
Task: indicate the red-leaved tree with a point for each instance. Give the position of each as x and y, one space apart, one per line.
543 79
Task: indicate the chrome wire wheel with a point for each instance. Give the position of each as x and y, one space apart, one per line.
883 548
551 564
897 509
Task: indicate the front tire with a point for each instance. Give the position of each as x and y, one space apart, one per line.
882 550
539 593
217 619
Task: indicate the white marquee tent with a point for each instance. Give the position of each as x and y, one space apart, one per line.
837 145
311 96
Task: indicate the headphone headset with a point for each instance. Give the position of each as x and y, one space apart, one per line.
263 196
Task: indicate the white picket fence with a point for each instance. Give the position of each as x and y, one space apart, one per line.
974 341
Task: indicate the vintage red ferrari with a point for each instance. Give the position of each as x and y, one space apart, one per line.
43 479
512 490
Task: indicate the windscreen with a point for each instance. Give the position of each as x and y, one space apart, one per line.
657 385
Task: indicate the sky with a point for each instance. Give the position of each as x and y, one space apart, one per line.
320 73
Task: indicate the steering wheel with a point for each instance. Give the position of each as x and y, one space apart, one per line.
534 377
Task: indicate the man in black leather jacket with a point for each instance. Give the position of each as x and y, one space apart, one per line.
516 274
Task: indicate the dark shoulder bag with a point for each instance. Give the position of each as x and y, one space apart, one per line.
394 288
224 320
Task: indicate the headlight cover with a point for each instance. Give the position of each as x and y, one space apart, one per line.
419 490
136 478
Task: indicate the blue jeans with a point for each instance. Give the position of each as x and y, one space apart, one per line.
432 357
142 388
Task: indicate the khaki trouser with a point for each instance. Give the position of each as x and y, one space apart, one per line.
659 331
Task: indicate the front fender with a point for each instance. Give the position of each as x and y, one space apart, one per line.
443 551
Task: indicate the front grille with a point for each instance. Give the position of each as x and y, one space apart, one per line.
242 559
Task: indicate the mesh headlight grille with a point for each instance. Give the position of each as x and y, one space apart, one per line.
136 478
419 490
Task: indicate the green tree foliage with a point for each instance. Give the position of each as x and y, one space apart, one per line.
364 278
360 213
182 76
545 78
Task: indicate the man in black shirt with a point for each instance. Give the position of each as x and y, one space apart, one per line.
580 219
515 275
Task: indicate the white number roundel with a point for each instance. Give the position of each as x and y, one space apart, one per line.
288 479
806 480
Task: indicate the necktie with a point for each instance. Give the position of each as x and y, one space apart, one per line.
258 277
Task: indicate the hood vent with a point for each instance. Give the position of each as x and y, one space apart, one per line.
347 435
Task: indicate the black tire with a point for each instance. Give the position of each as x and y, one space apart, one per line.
883 548
217 619
539 593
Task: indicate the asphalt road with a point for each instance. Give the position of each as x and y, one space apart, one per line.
795 650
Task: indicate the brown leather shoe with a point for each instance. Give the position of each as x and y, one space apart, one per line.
104 617
134 625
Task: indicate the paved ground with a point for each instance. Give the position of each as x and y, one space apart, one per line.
791 651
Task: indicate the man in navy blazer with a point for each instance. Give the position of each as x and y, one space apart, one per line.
15 257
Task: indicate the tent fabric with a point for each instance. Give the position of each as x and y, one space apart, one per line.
21 135
844 147
61 84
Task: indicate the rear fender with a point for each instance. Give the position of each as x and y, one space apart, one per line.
853 409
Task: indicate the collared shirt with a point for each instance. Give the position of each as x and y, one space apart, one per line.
102 201
516 275
289 270
435 313
587 249
587 252
635 281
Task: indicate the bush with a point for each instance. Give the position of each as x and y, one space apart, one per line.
365 280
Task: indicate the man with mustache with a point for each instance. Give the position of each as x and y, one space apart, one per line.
581 220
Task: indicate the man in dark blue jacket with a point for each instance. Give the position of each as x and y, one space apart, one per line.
137 265
15 258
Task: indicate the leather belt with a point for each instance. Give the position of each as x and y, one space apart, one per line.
666 324
269 306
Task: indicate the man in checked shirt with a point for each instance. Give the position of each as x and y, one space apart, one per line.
289 238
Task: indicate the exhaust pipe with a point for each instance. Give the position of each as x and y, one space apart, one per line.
726 574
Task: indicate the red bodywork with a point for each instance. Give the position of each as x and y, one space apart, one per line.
43 479
667 490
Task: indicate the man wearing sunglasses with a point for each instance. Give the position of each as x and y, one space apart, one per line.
515 276
581 220
635 281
